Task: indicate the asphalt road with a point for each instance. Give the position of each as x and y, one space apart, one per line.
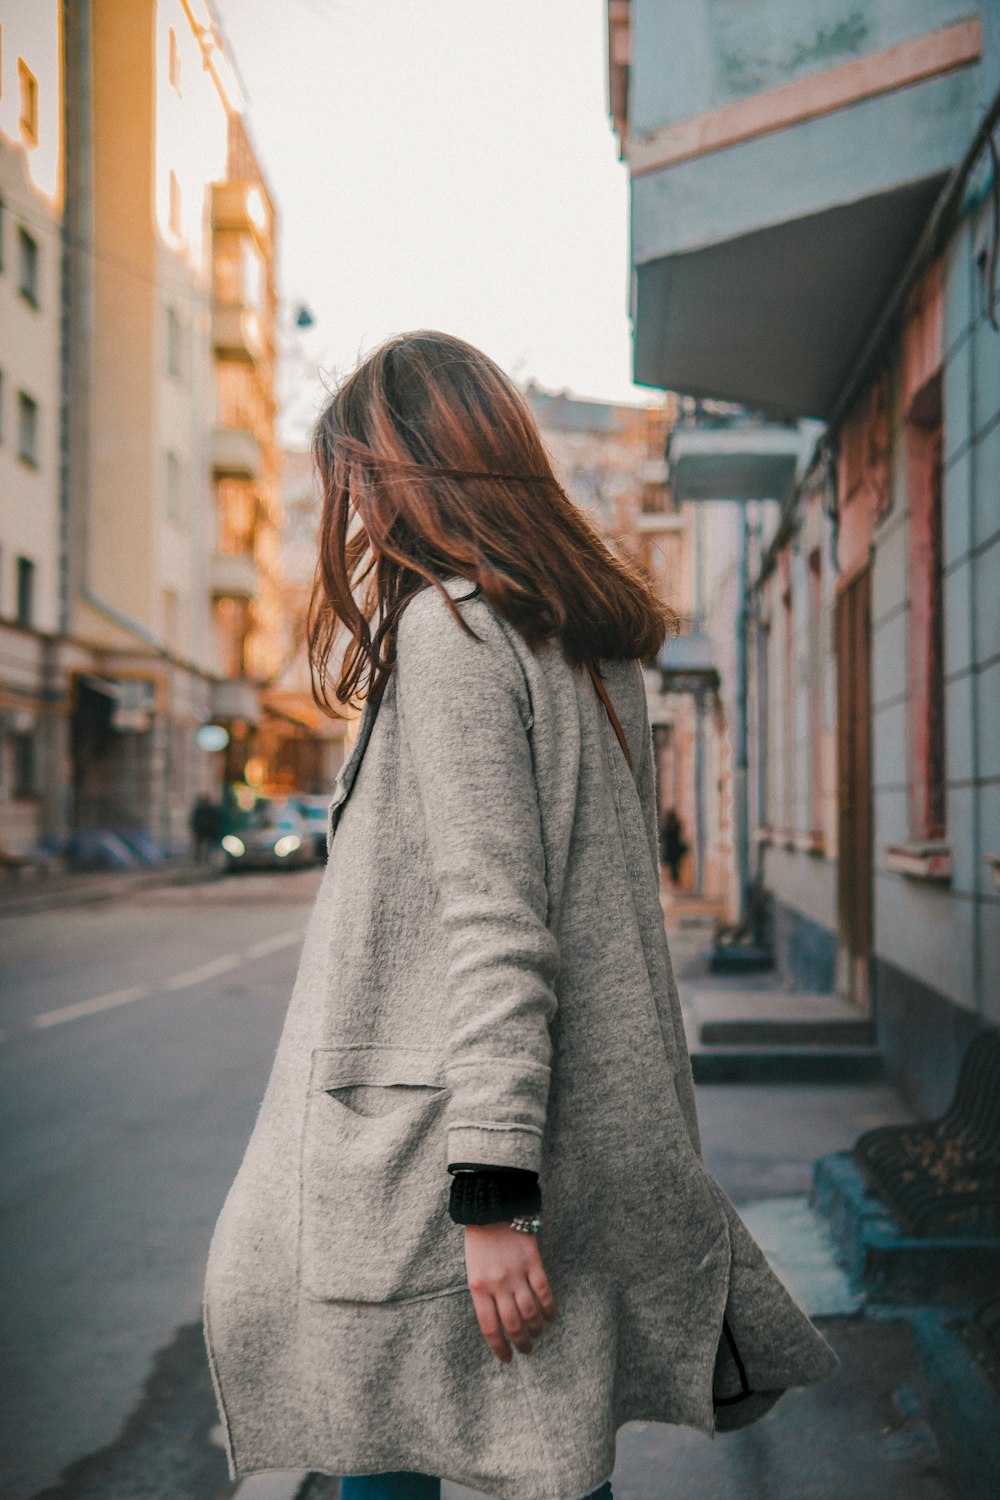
137 1039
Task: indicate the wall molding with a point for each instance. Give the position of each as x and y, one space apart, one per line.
881 72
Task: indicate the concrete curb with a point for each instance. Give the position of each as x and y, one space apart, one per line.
965 1409
894 1267
818 1064
49 896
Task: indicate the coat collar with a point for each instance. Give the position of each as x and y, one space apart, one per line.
454 584
349 769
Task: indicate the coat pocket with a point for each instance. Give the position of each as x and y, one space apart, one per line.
374 1221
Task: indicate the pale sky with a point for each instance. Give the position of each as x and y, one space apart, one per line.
446 164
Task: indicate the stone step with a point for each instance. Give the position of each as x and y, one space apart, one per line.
779 1031
787 1064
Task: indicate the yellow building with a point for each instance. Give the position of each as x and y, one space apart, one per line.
32 587
156 487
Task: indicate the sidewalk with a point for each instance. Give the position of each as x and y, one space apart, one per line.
21 896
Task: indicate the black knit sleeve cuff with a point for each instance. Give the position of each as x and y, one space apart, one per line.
490 1195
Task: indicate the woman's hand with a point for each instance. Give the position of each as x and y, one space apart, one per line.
510 1290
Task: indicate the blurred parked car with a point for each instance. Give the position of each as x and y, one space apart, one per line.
271 835
315 810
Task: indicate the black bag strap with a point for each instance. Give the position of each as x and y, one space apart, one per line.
603 695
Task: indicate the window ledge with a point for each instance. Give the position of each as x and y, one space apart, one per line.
809 843
993 860
921 861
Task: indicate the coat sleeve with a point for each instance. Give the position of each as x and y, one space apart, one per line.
465 712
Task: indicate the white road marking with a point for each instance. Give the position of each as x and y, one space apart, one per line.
272 944
90 1007
204 971
184 981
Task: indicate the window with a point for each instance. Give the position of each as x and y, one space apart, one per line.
27 277
173 343
174 61
25 784
25 591
173 486
926 613
816 668
237 512
232 625
788 694
170 616
27 429
175 213
28 121
252 276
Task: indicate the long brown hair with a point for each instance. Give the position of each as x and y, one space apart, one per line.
438 455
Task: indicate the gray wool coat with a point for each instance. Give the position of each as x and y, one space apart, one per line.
485 977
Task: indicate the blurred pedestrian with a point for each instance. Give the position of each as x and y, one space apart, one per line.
673 846
206 826
485 986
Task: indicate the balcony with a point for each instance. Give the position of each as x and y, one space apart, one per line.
738 462
233 575
241 206
236 333
687 664
235 453
659 522
780 176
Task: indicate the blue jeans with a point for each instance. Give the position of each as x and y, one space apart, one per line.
405 1486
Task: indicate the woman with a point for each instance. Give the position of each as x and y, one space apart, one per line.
484 1021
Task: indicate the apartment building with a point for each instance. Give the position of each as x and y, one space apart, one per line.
141 532
32 589
859 291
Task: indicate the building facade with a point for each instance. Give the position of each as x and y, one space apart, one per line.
31 215
857 291
610 459
157 608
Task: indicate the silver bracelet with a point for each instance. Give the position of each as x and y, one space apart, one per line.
527 1223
